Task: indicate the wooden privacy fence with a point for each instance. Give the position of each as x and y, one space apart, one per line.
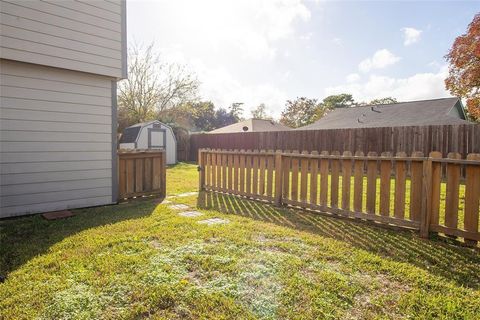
464 139
429 194
141 173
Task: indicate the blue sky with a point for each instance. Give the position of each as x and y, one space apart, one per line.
267 51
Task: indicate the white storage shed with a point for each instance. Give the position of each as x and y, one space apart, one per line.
150 135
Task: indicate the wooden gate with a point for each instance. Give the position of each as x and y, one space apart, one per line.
141 173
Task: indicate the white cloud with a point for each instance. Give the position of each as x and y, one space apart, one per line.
353 77
337 41
411 35
219 86
416 87
380 59
307 36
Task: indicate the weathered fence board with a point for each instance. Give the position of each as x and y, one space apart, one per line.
463 139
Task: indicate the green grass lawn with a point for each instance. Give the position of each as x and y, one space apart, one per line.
141 260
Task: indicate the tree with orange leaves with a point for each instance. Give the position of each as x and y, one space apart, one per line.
464 69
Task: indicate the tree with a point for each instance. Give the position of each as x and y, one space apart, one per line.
236 110
343 100
464 70
300 112
386 100
224 118
260 112
152 86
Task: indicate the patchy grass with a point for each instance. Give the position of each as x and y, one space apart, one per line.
142 260
182 177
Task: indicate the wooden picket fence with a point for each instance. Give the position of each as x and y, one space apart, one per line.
141 173
429 194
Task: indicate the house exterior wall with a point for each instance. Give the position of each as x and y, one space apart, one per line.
85 35
56 146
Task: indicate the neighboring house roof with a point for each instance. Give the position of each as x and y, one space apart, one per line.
413 113
252 125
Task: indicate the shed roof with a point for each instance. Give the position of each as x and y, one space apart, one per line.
252 125
412 113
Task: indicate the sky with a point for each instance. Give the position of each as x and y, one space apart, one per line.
268 51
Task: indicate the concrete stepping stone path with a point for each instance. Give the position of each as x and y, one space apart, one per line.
179 207
190 214
187 194
213 221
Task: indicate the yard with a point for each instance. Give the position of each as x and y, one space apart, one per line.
142 260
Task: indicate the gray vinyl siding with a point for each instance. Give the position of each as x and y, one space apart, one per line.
87 36
55 139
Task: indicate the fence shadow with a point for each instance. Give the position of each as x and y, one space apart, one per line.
455 263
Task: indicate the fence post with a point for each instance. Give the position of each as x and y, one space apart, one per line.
278 178
164 174
201 171
426 211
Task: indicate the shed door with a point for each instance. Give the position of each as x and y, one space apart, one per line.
156 138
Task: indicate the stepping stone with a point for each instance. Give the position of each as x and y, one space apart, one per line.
179 206
214 221
187 194
54 215
162 201
190 214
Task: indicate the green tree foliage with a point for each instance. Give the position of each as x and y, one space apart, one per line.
343 100
300 112
236 110
303 111
260 112
198 116
386 100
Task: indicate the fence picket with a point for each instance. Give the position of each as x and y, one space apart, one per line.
262 159
334 180
248 173
214 170
346 180
270 163
139 175
436 186
358 183
208 167
371 183
286 163
219 171
230 169
400 181
385 173
416 190
294 181
453 186
313 178
303 178
224 172
255 173
472 197
242 171
236 166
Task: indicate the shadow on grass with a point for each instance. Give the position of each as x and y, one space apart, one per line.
452 262
23 238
